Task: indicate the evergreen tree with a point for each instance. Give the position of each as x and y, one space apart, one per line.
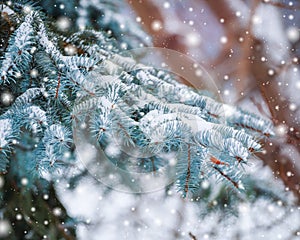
67 83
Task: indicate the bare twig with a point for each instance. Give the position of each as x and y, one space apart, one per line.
193 237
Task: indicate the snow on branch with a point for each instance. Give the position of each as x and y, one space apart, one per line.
121 101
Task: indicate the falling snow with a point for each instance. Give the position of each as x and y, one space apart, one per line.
251 55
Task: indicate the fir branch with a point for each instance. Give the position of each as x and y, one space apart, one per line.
116 96
234 183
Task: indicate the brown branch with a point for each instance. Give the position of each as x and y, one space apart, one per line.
149 13
83 88
162 38
281 165
153 165
234 32
193 237
234 183
58 86
280 5
272 94
188 174
244 69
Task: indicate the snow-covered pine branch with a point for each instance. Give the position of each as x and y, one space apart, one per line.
145 109
18 53
5 136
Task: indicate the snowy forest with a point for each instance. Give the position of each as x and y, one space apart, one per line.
150 119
